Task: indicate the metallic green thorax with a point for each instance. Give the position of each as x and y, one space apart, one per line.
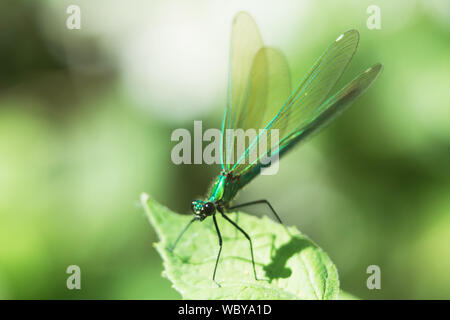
227 186
218 189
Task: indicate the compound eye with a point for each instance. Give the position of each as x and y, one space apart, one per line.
193 206
209 208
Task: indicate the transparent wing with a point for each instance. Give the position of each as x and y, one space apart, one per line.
245 43
330 109
259 84
306 102
269 87
333 107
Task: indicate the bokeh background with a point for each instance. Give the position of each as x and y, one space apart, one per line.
86 117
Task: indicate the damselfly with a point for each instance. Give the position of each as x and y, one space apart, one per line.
259 97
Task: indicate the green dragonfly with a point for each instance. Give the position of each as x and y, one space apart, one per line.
259 96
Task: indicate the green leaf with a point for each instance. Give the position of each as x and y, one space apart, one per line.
295 267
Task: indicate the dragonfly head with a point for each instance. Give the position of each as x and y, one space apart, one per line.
202 209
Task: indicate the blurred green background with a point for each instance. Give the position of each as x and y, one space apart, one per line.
86 117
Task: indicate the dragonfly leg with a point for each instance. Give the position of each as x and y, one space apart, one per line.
249 240
264 201
180 235
220 250
236 220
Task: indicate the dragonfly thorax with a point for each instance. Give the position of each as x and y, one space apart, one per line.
202 209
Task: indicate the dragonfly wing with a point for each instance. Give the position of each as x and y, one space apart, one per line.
269 86
333 107
254 69
245 43
268 89
306 101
